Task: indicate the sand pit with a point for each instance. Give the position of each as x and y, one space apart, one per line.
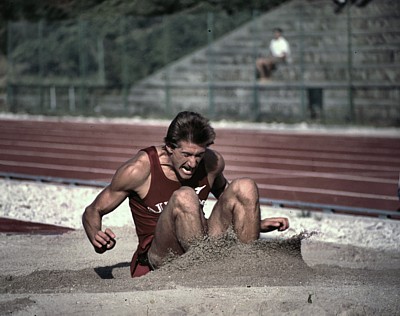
349 266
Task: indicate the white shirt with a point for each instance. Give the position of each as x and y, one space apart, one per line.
280 48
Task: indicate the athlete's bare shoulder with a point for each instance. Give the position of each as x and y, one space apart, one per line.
133 174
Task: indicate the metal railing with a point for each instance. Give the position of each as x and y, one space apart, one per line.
93 67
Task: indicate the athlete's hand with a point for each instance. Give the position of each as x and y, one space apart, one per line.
274 223
104 241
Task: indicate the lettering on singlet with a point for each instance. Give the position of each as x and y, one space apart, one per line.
198 189
160 206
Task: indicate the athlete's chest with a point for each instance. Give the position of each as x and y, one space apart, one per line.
161 191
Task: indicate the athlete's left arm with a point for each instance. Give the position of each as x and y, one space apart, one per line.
215 165
219 185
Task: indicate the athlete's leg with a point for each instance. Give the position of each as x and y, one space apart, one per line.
238 207
180 222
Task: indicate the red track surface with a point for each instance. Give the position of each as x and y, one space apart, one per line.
356 171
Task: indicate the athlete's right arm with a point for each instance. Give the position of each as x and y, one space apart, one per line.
130 177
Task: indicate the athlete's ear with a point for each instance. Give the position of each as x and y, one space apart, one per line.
168 149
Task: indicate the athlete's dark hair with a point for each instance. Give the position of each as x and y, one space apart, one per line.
190 127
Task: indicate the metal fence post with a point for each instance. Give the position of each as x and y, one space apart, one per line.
210 63
11 98
351 114
82 65
302 68
41 63
100 57
255 109
167 44
71 99
124 62
53 98
10 70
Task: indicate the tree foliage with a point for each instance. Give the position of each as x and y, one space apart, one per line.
67 9
50 39
51 10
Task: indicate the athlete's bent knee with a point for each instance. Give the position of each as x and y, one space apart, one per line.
184 198
245 189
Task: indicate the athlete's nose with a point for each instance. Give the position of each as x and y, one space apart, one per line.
192 162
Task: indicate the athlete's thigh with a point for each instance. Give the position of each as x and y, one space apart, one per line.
231 203
221 215
165 236
168 228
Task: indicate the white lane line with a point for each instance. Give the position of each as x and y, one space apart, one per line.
327 192
57 167
295 173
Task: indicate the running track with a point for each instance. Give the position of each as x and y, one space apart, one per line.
343 170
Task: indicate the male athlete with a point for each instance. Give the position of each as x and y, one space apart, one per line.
167 187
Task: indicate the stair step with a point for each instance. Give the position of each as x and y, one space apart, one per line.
222 75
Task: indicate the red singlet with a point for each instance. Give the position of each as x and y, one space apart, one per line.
146 211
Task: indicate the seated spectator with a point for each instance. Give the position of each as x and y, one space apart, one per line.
279 52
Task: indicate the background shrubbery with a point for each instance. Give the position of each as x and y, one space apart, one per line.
58 41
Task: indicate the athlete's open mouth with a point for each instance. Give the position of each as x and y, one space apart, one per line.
187 170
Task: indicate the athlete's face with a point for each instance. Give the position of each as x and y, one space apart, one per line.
186 158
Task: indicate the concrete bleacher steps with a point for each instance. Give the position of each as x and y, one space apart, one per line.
221 78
